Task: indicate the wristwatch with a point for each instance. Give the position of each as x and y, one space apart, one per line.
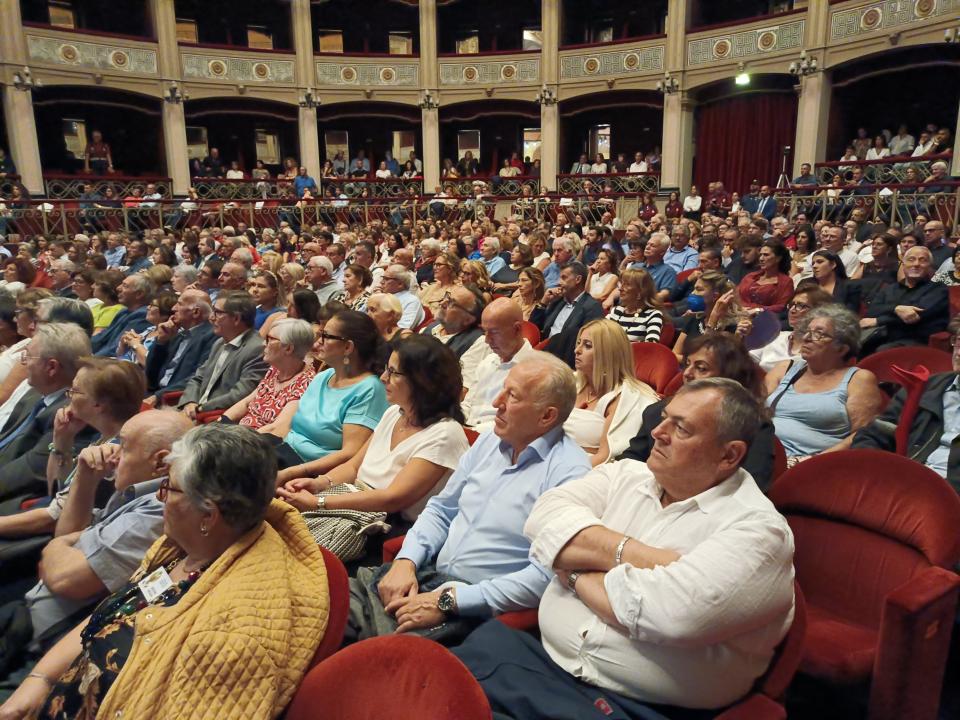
321 502
447 602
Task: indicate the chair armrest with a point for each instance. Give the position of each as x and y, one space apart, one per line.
171 398
520 619
208 417
391 547
912 647
754 707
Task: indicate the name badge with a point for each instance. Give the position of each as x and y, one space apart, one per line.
155 584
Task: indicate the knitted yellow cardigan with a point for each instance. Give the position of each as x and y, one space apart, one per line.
237 644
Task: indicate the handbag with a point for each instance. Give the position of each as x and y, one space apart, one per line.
344 532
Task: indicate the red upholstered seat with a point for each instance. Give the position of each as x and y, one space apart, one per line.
654 364
530 332
668 334
401 677
675 384
339 589
881 363
876 539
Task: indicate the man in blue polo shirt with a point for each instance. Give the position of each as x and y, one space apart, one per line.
304 182
662 274
680 256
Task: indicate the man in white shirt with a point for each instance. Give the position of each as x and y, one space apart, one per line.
674 578
902 143
397 280
832 239
924 145
638 165
501 321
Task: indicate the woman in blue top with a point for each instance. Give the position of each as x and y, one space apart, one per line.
341 406
265 289
819 401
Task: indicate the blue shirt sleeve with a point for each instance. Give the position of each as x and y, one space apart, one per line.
367 406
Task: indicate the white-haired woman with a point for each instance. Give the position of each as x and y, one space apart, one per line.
385 311
285 351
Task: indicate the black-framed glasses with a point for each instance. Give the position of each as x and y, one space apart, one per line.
392 372
802 307
165 489
323 336
73 392
448 300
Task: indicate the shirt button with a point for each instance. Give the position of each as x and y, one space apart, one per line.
149 616
118 713
147 641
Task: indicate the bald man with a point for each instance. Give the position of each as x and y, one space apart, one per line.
502 321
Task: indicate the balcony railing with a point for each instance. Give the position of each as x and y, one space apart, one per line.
7 183
887 170
69 187
493 185
620 183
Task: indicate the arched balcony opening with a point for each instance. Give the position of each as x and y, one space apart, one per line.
90 16
469 27
376 27
594 22
254 24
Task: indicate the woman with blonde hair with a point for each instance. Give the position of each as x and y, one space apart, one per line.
291 277
272 261
639 312
385 311
445 277
714 305
474 272
161 276
530 289
610 399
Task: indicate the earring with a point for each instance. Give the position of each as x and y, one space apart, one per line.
203 529
346 361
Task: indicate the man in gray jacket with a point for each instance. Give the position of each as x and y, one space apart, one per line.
235 365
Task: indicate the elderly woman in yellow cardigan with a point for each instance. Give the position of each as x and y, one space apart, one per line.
224 615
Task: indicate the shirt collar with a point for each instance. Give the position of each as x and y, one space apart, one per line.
708 500
238 340
146 487
575 300
954 385
50 399
540 447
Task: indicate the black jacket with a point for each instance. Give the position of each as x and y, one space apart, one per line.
201 339
925 430
932 297
848 293
758 460
563 343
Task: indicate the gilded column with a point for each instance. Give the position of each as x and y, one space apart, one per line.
429 83
815 92
676 165
306 79
18 104
173 118
549 110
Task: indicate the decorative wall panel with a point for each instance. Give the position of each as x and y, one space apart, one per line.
91 56
748 43
851 22
610 63
367 74
236 69
489 72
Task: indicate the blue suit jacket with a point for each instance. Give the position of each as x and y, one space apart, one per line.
105 344
160 357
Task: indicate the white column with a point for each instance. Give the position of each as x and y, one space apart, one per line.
306 79
429 80
955 165
549 145
18 104
676 167
813 116
430 126
550 114
174 121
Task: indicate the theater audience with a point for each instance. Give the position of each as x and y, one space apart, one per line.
712 306
341 406
631 543
530 290
182 344
831 277
135 293
471 531
564 310
285 350
234 365
610 400
458 327
356 287
445 278
770 287
257 592
134 346
13 372
819 400
106 289
638 311
413 449
786 346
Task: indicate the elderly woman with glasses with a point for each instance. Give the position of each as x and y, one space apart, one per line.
385 311
445 278
287 379
786 346
134 346
820 400
236 583
343 404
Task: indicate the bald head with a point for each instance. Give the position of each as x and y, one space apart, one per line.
502 323
145 441
193 308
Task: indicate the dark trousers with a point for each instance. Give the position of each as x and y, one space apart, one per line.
522 682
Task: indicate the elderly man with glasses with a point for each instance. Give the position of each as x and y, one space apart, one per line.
397 281
458 327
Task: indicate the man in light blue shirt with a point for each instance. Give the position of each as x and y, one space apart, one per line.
680 256
466 558
397 281
663 276
563 252
490 254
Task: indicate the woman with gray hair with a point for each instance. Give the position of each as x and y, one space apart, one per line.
819 400
236 582
285 350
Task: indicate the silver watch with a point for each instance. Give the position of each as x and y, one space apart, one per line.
321 502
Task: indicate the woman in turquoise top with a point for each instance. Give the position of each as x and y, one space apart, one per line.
819 401
341 406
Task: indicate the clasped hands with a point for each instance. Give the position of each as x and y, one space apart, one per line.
401 597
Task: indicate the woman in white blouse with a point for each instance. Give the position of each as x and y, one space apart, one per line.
415 447
879 149
692 204
610 399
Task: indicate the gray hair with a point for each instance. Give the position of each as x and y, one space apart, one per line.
64 342
493 242
431 246
662 238
143 285
846 326
401 273
187 272
244 255
739 414
939 164
556 384
564 242
65 264
323 261
297 333
65 310
230 467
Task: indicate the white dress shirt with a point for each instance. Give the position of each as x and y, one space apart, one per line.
701 629
491 372
638 167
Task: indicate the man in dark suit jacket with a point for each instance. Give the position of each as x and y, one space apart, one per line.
183 344
235 365
61 276
135 293
565 309
51 360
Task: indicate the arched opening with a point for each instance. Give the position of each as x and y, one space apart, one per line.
491 131
467 27
380 27
374 127
741 134
598 21
67 117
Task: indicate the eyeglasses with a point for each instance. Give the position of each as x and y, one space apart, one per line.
165 489
802 307
324 336
73 392
219 312
448 300
817 335
392 372
24 357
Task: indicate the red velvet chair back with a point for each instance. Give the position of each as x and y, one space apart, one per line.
654 364
401 677
339 584
668 334
779 459
531 332
675 384
864 523
881 363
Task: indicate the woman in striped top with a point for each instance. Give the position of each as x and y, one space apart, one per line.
639 311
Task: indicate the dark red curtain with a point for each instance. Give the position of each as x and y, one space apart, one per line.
741 138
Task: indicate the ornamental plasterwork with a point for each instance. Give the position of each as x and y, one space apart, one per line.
490 72
368 74
236 69
734 46
848 23
614 62
91 56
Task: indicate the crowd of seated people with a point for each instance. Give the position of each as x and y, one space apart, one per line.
201 400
